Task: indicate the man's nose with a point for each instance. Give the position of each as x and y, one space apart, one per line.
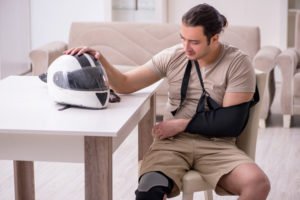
186 46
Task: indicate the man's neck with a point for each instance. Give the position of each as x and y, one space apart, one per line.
212 57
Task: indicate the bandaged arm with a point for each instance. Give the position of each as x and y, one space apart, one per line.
222 122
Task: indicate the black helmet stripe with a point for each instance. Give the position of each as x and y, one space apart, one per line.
85 61
93 61
102 97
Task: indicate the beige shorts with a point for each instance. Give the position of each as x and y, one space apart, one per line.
213 158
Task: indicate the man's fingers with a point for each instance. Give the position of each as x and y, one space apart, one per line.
82 50
97 55
68 51
155 130
78 50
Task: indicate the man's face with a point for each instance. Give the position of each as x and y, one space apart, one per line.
194 41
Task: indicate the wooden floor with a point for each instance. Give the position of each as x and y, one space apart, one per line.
277 154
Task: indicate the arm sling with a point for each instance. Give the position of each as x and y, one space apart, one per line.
216 121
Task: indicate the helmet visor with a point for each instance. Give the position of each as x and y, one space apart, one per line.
85 79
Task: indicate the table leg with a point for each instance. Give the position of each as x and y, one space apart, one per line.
24 180
98 168
145 128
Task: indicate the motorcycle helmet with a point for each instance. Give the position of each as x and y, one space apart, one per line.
78 80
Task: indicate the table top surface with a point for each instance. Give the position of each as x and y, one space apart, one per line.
26 108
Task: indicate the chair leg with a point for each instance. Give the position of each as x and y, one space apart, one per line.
187 196
287 121
262 123
208 195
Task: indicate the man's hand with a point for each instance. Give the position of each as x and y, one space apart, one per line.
81 50
169 128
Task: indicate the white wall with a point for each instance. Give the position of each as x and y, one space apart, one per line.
14 37
269 15
51 20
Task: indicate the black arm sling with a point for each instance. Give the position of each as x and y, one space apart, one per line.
217 121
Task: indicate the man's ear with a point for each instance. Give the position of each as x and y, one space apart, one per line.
215 38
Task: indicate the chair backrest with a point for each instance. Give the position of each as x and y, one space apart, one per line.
247 140
125 43
246 38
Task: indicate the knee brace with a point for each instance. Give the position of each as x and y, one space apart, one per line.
153 186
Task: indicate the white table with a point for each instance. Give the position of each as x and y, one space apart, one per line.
32 129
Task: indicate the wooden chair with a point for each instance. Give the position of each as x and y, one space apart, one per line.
192 180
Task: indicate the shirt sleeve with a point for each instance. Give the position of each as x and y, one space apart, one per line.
161 62
241 77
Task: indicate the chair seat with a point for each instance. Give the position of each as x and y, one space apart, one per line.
193 181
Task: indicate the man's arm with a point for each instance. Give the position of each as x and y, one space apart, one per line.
234 98
172 127
130 81
169 128
122 83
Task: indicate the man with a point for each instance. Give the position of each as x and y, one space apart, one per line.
228 77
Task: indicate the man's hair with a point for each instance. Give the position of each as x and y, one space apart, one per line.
206 16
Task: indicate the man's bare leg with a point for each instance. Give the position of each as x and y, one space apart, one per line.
248 181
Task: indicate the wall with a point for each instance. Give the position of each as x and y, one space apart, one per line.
14 36
269 15
51 20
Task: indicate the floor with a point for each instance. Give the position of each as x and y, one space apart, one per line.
277 154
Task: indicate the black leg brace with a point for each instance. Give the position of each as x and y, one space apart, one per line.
153 186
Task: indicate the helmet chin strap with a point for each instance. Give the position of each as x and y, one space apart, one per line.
64 107
43 77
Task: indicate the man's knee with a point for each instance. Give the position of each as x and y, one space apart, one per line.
263 184
258 186
153 186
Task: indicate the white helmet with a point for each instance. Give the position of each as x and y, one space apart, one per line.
78 81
